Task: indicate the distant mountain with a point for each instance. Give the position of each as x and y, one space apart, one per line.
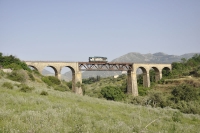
132 57
47 73
67 76
152 58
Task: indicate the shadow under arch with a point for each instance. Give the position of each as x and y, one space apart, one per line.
145 78
154 76
33 67
166 71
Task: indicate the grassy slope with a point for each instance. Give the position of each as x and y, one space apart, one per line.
67 112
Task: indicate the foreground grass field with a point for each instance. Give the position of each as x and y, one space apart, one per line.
65 112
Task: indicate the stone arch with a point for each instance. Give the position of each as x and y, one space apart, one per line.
146 80
158 73
167 68
166 71
72 70
35 68
144 70
73 76
55 70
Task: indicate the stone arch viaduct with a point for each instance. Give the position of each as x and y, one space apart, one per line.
77 67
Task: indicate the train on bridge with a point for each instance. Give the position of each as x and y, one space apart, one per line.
98 59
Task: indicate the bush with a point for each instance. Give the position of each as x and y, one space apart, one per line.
142 90
62 88
69 84
13 62
7 85
44 93
177 116
25 88
112 93
139 100
54 80
185 92
157 99
51 80
78 84
19 76
1 73
31 76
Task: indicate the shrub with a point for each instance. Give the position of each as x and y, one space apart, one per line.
185 92
177 116
25 88
44 93
1 73
69 84
112 93
19 75
157 99
13 62
18 85
62 88
7 85
78 84
51 80
31 76
54 80
142 90
139 100
47 81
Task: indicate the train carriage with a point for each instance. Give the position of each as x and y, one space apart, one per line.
97 59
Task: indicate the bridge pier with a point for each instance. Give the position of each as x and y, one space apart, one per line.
146 79
76 83
58 76
132 87
158 76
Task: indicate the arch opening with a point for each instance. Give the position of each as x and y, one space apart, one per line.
50 71
68 75
141 71
154 74
142 80
33 68
166 71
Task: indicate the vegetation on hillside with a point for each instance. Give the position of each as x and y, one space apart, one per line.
34 103
38 108
190 67
22 73
182 94
12 62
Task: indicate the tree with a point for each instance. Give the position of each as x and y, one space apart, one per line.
184 60
112 93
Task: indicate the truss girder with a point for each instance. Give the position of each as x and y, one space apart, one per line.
90 66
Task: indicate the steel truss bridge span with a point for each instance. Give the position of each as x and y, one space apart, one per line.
104 66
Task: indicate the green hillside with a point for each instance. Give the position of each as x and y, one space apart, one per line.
58 111
33 103
179 89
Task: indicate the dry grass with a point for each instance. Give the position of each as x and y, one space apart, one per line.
66 112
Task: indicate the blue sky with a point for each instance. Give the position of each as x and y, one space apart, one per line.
73 30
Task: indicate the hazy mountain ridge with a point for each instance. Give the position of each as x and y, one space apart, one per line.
159 57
